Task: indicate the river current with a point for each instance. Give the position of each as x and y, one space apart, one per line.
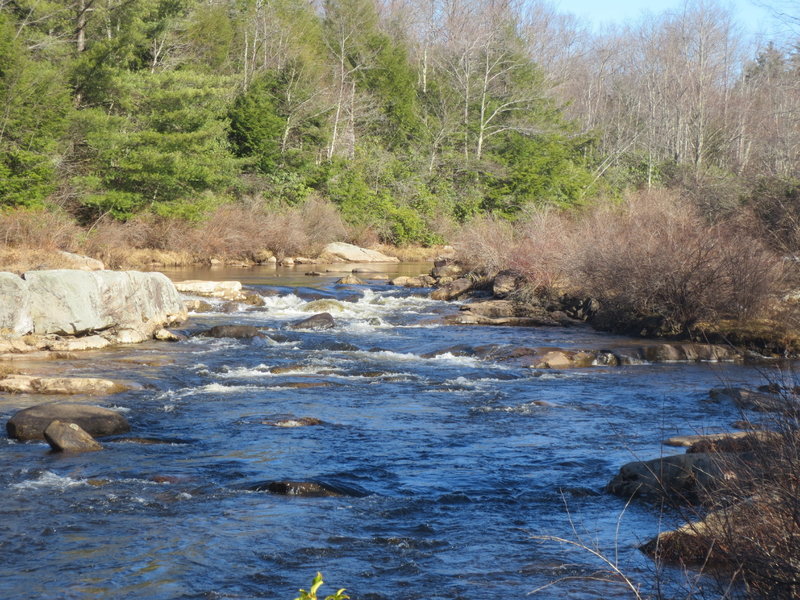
456 462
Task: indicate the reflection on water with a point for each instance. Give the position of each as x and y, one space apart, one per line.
461 458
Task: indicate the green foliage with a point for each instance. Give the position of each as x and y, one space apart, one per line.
34 116
256 127
166 150
544 169
311 594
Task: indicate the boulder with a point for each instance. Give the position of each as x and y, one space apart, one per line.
69 437
453 290
704 543
504 283
351 253
198 306
350 280
407 281
555 359
306 489
165 335
320 321
253 299
80 262
448 270
226 290
59 385
135 305
684 477
30 423
15 313
492 308
233 331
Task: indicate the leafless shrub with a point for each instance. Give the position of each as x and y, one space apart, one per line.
231 232
654 255
41 229
485 245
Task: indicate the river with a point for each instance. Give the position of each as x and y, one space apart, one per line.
456 462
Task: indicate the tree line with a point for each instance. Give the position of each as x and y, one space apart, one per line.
408 115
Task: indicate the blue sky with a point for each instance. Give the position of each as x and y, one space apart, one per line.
754 19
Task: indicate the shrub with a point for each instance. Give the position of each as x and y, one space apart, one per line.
40 228
654 255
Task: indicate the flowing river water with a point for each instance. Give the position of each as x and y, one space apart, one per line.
453 461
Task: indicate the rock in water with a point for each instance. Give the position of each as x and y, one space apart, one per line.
233 331
350 280
59 385
80 302
681 477
351 253
226 290
307 489
30 423
320 321
69 437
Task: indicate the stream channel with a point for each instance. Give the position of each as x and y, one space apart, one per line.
452 461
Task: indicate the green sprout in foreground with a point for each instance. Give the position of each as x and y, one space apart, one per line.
315 585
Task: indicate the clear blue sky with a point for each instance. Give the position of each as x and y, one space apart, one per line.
752 18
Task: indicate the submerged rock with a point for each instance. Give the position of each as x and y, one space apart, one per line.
301 422
320 321
69 437
60 385
30 423
233 331
306 489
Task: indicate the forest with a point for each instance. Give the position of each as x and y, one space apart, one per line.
403 119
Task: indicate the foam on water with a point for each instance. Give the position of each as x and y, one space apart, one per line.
49 480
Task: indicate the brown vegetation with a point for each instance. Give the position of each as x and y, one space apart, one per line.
653 256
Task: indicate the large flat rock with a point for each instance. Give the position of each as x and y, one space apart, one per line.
71 302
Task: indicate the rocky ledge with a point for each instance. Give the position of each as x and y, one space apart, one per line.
65 310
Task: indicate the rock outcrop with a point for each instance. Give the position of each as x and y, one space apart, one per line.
351 253
122 306
30 423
